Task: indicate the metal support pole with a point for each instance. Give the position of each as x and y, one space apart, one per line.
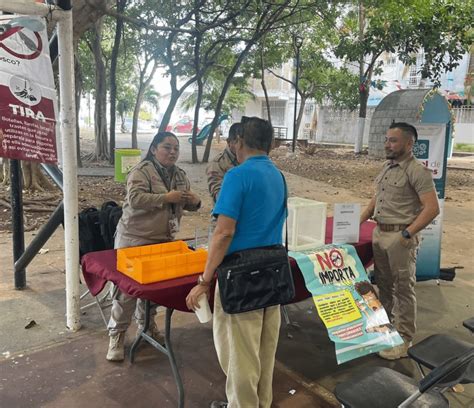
68 129
40 239
55 173
17 221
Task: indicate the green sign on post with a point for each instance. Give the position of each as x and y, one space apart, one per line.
125 159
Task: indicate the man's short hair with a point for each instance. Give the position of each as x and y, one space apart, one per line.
406 128
234 132
257 133
363 287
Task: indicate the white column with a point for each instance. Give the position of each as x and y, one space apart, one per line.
68 136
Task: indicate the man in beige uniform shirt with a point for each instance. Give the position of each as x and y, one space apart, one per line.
223 162
405 202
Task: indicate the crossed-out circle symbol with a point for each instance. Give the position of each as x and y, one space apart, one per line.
336 258
11 31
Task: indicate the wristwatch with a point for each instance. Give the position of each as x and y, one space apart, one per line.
203 282
406 234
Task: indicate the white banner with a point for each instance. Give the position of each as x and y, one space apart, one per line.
430 150
28 100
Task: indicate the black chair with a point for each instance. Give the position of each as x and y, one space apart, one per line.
469 324
385 388
436 349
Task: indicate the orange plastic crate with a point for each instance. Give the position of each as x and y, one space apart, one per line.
160 262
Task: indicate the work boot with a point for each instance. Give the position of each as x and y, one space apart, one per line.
152 331
116 350
218 404
396 352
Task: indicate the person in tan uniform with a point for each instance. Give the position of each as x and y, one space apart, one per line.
157 193
405 202
223 162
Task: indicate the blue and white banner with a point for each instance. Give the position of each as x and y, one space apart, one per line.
431 151
346 301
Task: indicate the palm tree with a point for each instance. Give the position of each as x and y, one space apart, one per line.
152 97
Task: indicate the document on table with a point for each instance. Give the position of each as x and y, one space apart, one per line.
346 223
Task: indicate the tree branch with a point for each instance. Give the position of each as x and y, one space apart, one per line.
139 23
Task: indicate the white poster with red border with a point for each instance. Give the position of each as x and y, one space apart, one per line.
28 99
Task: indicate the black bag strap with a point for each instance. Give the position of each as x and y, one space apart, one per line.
286 210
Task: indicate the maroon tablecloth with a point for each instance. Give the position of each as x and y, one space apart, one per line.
100 267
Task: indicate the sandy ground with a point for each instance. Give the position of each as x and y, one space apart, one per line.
329 175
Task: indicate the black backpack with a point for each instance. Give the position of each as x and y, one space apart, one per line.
97 227
110 214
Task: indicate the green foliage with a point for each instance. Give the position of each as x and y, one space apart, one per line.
464 147
144 115
152 97
125 67
441 29
318 77
236 98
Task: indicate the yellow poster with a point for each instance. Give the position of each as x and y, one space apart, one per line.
336 308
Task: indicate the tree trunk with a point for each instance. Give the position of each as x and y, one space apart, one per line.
5 174
362 86
364 89
78 89
303 99
174 97
225 88
143 85
120 4
264 86
33 177
200 91
100 113
197 66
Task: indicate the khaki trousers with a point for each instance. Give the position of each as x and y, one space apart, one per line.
123 306
394 268
246 345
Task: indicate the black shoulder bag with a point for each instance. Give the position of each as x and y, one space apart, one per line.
256 278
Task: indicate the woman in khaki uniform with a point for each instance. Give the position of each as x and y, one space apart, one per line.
157 193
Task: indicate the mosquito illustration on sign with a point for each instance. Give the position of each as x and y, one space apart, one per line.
336 258
27 29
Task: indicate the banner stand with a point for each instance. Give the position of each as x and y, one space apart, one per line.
62 14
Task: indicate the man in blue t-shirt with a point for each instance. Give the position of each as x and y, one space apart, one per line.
253 195
251 212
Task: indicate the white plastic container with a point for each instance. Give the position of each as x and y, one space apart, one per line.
306 224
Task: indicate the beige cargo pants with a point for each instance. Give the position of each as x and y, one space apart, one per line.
246 344
394 269
125 307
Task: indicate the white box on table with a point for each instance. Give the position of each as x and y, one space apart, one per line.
306 223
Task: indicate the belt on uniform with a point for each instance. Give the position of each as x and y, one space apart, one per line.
392 227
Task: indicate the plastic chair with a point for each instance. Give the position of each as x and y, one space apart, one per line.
436 349
385 388
469 324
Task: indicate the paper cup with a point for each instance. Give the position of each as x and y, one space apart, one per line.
204 312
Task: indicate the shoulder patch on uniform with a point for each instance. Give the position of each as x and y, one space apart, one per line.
180 170
219 157
143 164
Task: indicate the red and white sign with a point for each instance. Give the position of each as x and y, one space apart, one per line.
28 99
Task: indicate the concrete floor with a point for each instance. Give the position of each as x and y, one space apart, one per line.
47 366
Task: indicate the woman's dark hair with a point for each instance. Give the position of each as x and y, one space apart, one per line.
234 132
159 137
257 133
